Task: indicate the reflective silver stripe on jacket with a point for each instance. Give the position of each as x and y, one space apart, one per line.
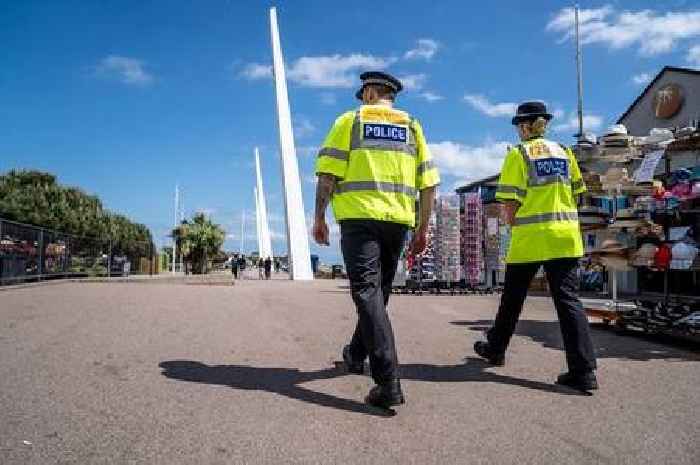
334 153
353 186
425 166
546 217
508 189
358 142
544 180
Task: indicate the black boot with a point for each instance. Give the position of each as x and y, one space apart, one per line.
386 395
583 382
483 350
350 365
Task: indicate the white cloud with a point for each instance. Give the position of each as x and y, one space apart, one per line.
413 81
590 123
127 70
303 127
642 78
425 49
257 71
652 32
693 56
483 105
469 163
430 96
334 71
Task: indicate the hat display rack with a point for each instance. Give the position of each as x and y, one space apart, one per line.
628 219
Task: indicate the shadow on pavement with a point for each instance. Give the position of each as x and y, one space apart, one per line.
473 370
607 344
283 381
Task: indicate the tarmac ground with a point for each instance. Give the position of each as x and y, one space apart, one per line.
173 373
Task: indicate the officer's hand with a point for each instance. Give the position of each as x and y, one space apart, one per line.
320 232
509 211
419 241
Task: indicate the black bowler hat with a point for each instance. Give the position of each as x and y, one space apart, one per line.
378 77
528 111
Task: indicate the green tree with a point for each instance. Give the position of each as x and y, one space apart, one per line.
36 198
199 240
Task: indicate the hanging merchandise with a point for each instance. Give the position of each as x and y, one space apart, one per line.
645 255
447 239
472 234
682 256
642 210
662 258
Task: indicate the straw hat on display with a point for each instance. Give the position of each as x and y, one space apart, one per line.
613 254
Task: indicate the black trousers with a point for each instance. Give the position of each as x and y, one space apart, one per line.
563 283
371 250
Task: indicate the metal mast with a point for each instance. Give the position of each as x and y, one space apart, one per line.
579 75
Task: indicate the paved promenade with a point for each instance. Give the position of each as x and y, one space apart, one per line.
168 373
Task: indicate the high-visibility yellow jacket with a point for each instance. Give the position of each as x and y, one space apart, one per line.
545 179
381 160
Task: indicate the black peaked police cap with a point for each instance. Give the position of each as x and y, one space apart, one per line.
528 111
381 78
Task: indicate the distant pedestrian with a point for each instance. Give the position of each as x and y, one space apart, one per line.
268 267
241 264
261 268
235 266
277 265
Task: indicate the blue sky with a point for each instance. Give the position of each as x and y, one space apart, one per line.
124 99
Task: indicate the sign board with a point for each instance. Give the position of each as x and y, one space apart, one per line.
645 173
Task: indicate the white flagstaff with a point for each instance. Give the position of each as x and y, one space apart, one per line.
177 214
297 234
242 231
265 239
257 220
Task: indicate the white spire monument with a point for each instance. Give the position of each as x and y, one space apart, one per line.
264 239
297 234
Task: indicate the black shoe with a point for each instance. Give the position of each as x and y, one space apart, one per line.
350 365
483 349
581 382
386 395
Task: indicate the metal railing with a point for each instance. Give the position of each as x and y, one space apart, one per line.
32 253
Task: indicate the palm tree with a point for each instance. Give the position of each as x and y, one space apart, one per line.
198 240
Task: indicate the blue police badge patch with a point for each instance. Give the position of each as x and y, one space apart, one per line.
552 167
385 132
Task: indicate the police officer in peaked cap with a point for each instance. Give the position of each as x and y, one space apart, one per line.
373 164
539 185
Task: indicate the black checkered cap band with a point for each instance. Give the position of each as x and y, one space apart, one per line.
383 82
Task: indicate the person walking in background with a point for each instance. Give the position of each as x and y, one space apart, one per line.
277 265
372 164
268 267
539 185
242 265
235 266
261 268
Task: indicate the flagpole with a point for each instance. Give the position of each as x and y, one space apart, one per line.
579 75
